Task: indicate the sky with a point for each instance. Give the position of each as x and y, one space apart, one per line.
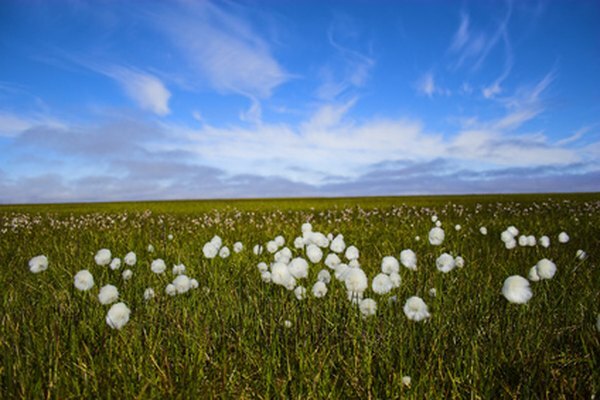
132 100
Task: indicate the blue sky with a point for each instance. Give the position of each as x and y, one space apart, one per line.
110 100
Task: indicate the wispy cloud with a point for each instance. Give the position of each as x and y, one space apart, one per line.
146 90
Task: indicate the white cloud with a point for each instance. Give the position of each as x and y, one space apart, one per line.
426 84
146 90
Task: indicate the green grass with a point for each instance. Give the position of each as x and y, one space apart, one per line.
227 339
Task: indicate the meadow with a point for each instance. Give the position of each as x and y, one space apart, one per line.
237 336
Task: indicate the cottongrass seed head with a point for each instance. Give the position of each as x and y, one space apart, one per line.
38 264
118 316
415 309
84 280
516 289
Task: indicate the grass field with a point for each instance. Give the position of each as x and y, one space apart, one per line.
230 338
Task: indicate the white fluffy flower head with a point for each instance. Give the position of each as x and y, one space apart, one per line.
436 236
84 280
408 258
389 265
103 257
516 289
108 294
415 309
130 259
38 264
158 266
118 316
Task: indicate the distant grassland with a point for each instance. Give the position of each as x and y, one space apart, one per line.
228 339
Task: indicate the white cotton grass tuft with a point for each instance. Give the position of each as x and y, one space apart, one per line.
356 280
314 253
150 248
408 258
511 244
319 289
216 241
581 255
149 294
513 231
533 274
171 290
130 259
341 271
298 268
324 276
178 269
483 230
84 280
367 307
395 279
545 269
436 236
170 236
118 316
265 276
115 263
354 264
287 323
516 289
352 253
224 252
544 241
531 242
432 292
272 246
210 250
406 381
457 227
38 264
523 241
238 247
280 275
434 218
563 237
459 262
103 257
194 284
332 260
415 309
445 263
257 250
158 266
506 236
127 274
262 266
338 245
382 284
389 265
182 284
108 294
306 227
284 255
438 223
299 243
300 292
280 241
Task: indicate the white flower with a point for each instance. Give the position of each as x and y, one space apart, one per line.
513 231
148 294
415 309
582 255
389 265
300 292
544 241
115 264
330 236
158 266
118 316
287 323
408 258
257 250
436 236
127 274
382 284
298 267
438 224
563 237
170 289
170 236
483 230
280 275
178 269
523 240
337 244
299 243
280 241
38 264
457 227
352 253
459 262
238 247
150 248
356 280
324 276
533 275
210 250
406 381
516 289
319 289
284 255
265 276
445 263
545 269
332 260
181 283
217 241
108 294
354 264
130 259
368 307
531 241
306 227
341 271
224 252
396 280
506 236
432 292
194 284
262 267
511 244
314 253
434 218
320 240
417 238
84 280
103 257
272 246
